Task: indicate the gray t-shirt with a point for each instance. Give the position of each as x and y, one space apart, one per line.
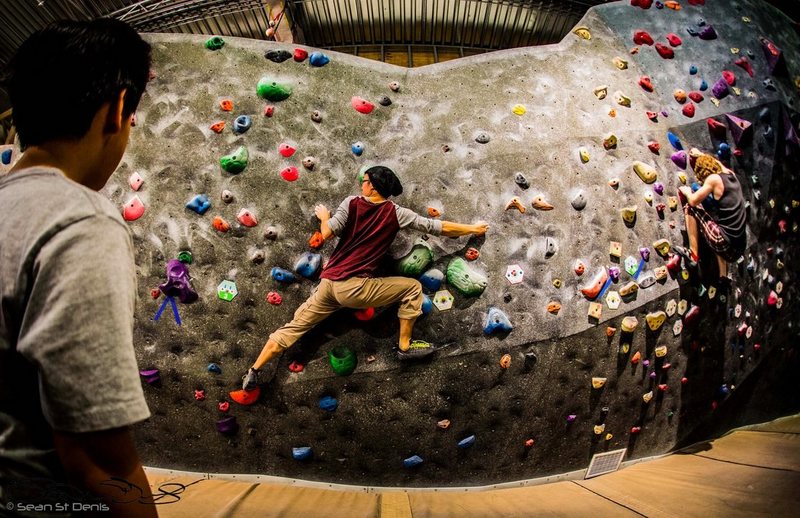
67 294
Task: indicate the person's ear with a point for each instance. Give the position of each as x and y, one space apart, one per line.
115 118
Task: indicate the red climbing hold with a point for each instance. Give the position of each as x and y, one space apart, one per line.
199 395
644 4
688 109
290 174
737 152
697 2
696 97
745 64
635 430
269 110
641 37
155 293
716 128
296 367
274 298
653 116
529 443
654 146
223 406
663 387
364 314
472 253
226 105
246 397
217 127
684 380
782 226
645 83
691 316
772 298
316 240
729 78
286 150
300 55
362 105
673 39
664 51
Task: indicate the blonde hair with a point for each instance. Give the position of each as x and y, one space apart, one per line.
705 166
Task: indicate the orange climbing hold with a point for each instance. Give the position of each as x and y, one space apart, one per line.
516 203
610 331
246 397
636 357
675 6
217 127
220 224
226 105
434 212
593 289
505 361
553 307
316 240
472 254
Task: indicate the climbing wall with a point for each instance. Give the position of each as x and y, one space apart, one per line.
569 329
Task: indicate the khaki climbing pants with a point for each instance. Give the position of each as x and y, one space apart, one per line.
356 293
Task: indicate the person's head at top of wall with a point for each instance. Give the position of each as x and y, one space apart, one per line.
73 88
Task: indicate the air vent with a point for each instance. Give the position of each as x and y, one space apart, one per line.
603 463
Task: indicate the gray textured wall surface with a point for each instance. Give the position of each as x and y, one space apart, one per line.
387 410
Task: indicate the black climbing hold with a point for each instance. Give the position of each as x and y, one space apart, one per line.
277 56
521 181
507 298
384 101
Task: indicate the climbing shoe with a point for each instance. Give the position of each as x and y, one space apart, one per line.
250 380
689 262
418 349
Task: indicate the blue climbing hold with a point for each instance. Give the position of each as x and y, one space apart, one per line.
357 148
242 123
427 304
308 264
723 151
213 367
5 157
703 86
466 442
497 320
328 404
199 204
318 59
693 69
412 461
674 140
281 275
432 279
724 390
302 453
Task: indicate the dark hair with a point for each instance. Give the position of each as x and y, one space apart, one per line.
384 181
61 76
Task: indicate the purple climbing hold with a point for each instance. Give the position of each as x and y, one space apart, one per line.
571 418
614 272
741 129
178 284
227 425
679 159
150 376
658 187
645 253
707 33
720 88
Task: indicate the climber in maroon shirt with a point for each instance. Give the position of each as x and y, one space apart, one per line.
366 226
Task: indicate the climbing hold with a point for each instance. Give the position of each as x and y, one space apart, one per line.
646 280
215 43
133 209
269 110
220 224
245 397
286 150
135 180
227 425
328 404
199 204
610 141
417 260
579 201
615 249
549 247
679 95
653 116
258 257
242 123
316 240
655 320
613 183
646 172
227 196
520 180
679 158
703 86
290 174
557 283
300 55
271 233
664 51
673 39
223 406
592 290
272 90
583 33
691 316
647 397
432 279
318 59
631 265
247 218
357 148
707 33
277 56
296 367
155 293
579 267
274 298
641 37
150 376
688 109
583 154
600 92
394 86
412 461
658 187
364 314
518 109
629 214
308 264
316 116
472 254
302 453
622 99
514 274
281 275
571 418
236 162
343 360
540 204
515 203
716 128
227 290
729 77
645 83
720 88
553 307
613 300
443 300
629 289
636 358
741 130
361 105
614 271
309 162
597 383
466 280
226 105
661 351
444 424
482 138
645 253
629 324
619 63
696 97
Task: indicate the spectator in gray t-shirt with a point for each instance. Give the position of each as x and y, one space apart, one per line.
69 387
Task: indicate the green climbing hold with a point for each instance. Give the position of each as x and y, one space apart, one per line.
272 90
185 257
215 43
236 161
417 260
464 279
343 360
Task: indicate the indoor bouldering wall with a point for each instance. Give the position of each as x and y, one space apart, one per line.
569 329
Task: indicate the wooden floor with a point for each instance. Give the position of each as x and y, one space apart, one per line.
752 471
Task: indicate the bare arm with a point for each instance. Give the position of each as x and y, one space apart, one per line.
324 215
93 460
451 229
696 198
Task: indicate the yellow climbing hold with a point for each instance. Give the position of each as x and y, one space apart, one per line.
583 33
609 436
598 382
655 319
646 172
629 214
661 351
734 50
682 178
518 109
601 91
584 154
620 63
622 99
599 428
615 249
629 324
610 141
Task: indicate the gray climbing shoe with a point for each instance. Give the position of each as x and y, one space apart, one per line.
418 349
250 380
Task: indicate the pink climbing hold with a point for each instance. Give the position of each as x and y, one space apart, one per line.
223 406
286 150
133 209
645 83
641 37
247 218
673 39
290 174
135 181
269 110
362 105
653 116
772 299
782 226
274 298
688 109
745 64
199 395
654 146
696 97
729 77
300 55
664 51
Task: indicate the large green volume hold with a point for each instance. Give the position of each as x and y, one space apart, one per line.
272 90
236 161
416 261
467 281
